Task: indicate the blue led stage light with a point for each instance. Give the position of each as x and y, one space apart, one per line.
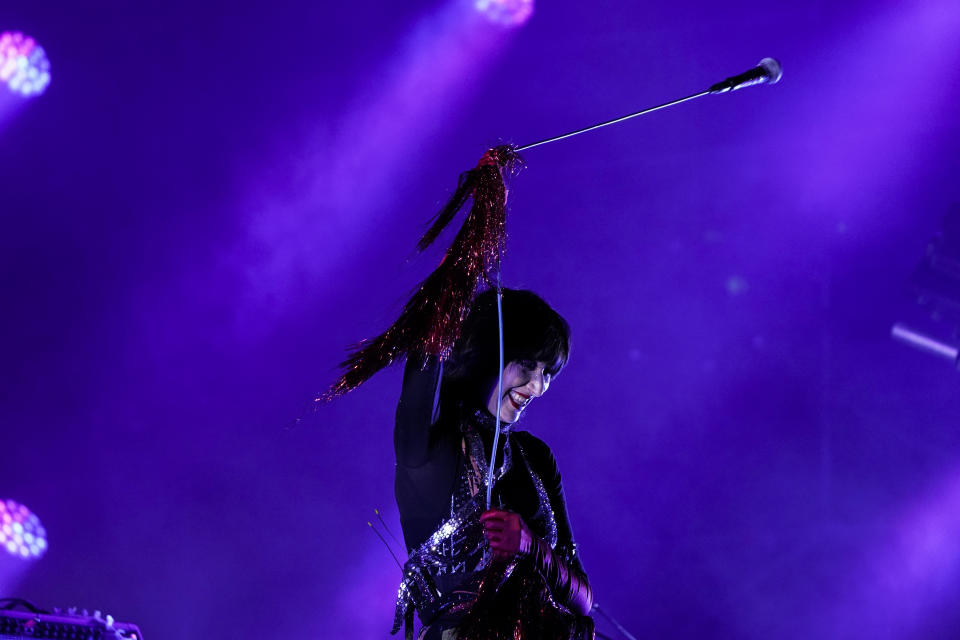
506 12
24 67
21 533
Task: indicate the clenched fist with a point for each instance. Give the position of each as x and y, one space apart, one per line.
507 534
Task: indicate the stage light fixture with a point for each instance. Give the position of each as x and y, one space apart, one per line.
21 533
506 12
24 67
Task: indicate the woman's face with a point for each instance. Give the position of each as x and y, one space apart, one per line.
522 382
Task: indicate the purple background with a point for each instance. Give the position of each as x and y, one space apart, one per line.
212 200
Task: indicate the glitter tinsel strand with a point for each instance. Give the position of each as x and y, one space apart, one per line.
431 319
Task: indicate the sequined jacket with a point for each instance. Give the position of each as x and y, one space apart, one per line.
440 471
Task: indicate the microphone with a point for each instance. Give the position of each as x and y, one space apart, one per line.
768 71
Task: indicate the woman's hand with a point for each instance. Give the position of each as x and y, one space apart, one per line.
507 534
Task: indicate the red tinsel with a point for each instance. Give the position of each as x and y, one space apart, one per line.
431 319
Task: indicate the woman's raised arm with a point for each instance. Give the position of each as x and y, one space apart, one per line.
417 410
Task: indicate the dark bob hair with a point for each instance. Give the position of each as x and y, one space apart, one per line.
532 331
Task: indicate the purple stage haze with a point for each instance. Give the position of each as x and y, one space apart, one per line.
212 201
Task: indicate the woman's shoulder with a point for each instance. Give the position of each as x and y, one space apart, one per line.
525 438
533 447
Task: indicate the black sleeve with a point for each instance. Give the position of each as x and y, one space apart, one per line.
561 566
417 411
566 545
428 454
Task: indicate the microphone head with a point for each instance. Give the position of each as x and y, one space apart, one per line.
773 70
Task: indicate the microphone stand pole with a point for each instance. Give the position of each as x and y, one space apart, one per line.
768 71
614 121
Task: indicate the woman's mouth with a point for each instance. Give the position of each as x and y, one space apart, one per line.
518 400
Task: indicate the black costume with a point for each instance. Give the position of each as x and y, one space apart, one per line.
441 467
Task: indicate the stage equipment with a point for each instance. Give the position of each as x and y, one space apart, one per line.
24 67
33 623
768 71
935 285
510 13
924 342
21 533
